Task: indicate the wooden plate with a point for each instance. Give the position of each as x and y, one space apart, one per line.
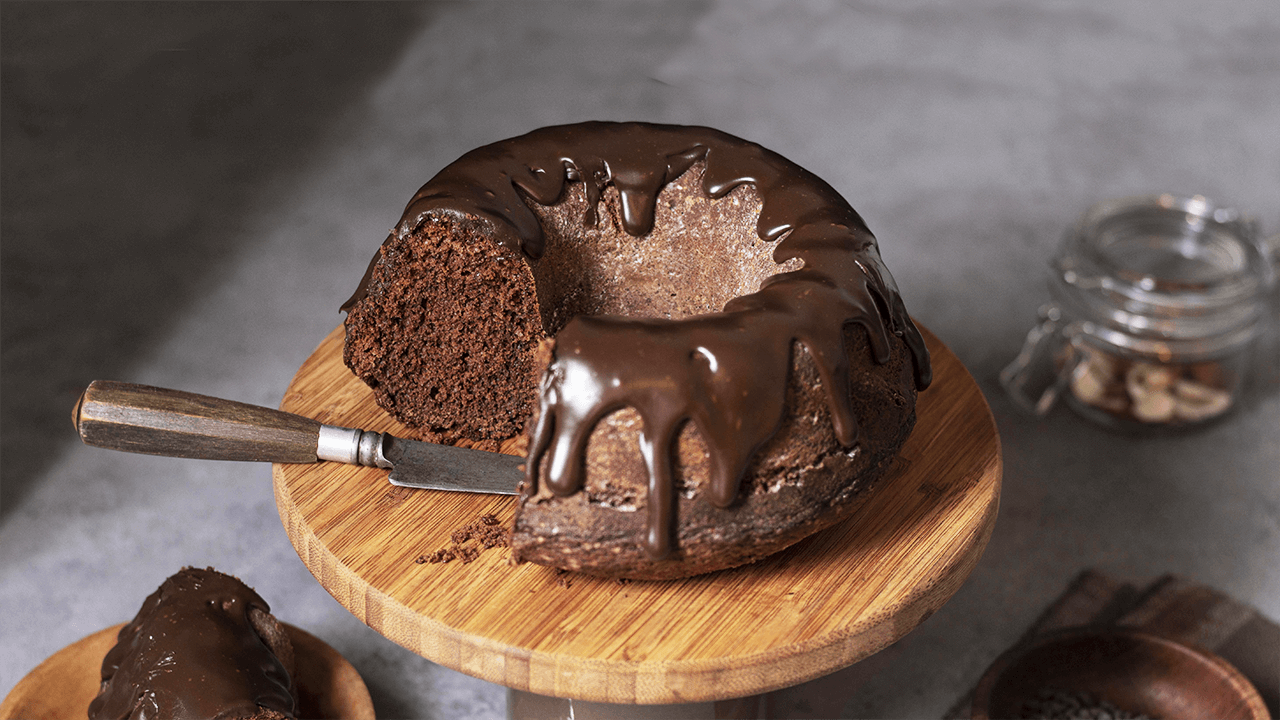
66 682
1138 672
821 605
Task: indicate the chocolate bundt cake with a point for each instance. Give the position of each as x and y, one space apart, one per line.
697 336
203 645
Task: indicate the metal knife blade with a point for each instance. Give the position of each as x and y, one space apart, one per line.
159 421
418 464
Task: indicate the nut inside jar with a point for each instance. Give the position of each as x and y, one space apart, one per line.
1150 391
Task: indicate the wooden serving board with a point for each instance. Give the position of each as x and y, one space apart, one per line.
66 682
814 608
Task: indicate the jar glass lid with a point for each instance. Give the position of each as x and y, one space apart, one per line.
1164 266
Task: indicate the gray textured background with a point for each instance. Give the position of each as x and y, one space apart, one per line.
190 191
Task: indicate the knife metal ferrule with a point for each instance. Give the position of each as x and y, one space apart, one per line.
351 446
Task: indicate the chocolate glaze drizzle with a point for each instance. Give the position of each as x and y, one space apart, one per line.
725 372
192 652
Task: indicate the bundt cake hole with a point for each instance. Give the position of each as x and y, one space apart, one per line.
672 272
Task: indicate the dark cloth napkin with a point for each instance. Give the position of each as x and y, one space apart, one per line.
1173 607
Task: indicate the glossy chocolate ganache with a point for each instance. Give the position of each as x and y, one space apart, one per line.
725 372
196 650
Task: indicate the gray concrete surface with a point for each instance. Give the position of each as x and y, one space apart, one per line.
190 190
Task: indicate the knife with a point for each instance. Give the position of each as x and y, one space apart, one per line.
158 421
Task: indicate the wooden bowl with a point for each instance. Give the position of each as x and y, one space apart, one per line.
1137 672
66 682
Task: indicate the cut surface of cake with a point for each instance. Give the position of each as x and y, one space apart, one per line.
697 337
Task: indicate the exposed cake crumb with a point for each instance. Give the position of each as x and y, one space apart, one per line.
468 541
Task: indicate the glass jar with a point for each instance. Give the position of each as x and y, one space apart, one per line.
1156 303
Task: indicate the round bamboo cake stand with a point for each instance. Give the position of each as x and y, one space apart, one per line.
817 607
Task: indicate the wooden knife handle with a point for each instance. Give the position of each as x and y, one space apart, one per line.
156 421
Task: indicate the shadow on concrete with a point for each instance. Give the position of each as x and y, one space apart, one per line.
135 138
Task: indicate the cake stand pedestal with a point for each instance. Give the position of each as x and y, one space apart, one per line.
819 606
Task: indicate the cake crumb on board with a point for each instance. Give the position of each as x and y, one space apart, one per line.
468 541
